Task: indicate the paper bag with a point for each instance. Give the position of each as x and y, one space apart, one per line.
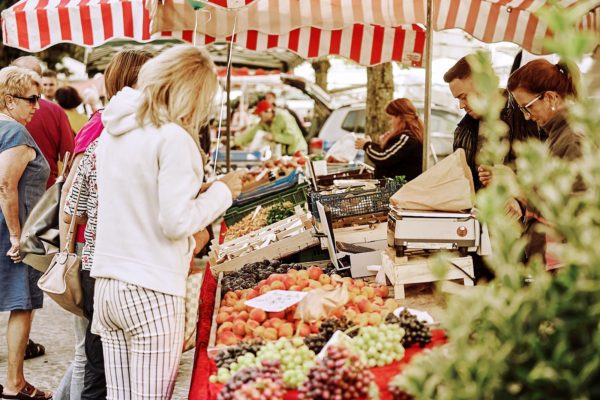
319 303
447 186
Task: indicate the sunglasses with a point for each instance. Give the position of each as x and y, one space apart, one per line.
525 109
31 99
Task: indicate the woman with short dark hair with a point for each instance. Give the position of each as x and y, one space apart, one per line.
68 98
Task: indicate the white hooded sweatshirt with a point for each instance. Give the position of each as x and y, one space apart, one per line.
148 184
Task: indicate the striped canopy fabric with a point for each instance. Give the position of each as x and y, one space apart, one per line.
367 31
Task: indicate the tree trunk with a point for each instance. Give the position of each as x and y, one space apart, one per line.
321 67
380 91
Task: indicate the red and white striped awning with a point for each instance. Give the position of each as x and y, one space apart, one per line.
33 25
366 31
487 20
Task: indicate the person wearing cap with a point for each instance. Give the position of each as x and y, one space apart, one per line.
280 126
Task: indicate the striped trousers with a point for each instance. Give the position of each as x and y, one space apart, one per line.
142 339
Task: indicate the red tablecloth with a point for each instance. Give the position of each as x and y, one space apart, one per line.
202 389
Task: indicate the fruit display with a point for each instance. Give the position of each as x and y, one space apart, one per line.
379 345
294 359
416 332
243 380
229 355
238 322
279 211
248 224
317 341
340 375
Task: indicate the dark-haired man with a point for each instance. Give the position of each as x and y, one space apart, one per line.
49 84
466 135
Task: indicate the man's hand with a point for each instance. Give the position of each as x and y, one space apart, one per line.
485 174
233 180
14 251
513 209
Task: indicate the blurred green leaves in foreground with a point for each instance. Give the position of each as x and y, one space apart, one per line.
510 339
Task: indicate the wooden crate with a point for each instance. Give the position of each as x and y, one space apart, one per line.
300 225
409 270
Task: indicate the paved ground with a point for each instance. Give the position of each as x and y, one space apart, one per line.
53 328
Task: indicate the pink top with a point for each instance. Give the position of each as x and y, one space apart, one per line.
86 136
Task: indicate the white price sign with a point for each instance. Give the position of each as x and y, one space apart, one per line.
276 300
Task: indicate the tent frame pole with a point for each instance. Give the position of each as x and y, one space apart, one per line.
228 131
428 79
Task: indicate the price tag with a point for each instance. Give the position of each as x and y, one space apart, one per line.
276 300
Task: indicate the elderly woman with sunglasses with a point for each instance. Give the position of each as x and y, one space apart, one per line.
23 175
542 90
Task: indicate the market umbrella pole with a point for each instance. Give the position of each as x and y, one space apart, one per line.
228 140
428 78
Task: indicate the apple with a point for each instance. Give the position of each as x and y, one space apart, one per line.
285 330
259 332
302 283
239 328
288 281
295 288
252 293
238 293
314 327
315 272
359 298
239 306
258 315
359 283
338 312
244 315
382 291
304 330
292 272
228 338
227 309
272 323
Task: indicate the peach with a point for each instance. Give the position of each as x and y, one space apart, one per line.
359 298
295 288
270 334
314 284
252 293
338 312
307 289
259 332
302 274
350 314
239 306
227 309
274 278
359 283
222 317
239 328
315 272
304 330
228 338
226 326
244 315
314 327
288 281
285 330
302 283
277 285
374 319
324 279
365 306
238 293
250 326
369 292
362 319
278 314
382 291
258 315
292 272
265 289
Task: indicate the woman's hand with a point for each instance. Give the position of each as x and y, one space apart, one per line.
14 251
233 180
359 144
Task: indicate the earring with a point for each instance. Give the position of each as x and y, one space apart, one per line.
553 108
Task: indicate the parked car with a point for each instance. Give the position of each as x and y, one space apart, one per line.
332 120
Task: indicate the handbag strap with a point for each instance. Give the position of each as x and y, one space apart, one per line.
73 218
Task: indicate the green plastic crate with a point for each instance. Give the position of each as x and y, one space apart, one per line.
296 195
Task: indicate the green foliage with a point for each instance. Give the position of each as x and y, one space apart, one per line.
512 339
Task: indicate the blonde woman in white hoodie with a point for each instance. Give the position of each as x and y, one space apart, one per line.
149 173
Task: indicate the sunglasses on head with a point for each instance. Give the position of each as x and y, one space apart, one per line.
31 99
